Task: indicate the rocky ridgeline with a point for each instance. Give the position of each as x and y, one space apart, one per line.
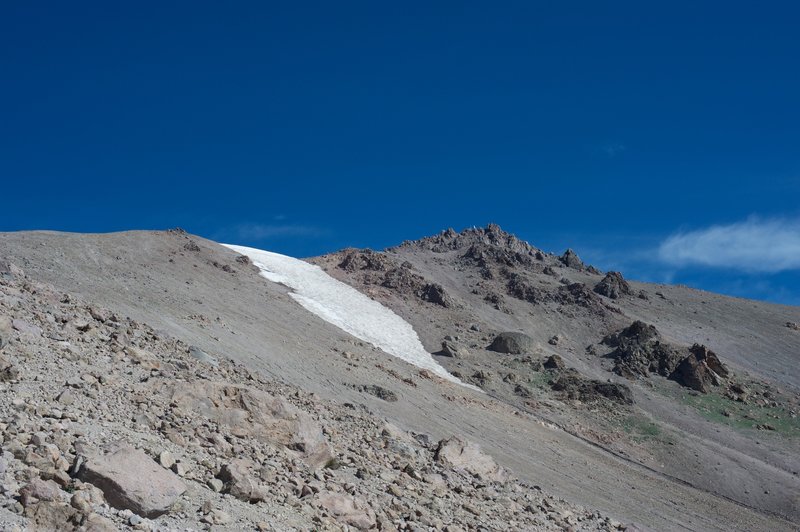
374 268
108 424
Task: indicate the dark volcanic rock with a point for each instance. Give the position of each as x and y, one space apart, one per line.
434 293
491 235
514 343
376 268
613 286
640 352
570 259
554 362
363 259
574 386
701 370
578 294
378 391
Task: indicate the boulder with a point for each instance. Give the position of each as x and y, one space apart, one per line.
450 349
51 515
434 293
200 355
251 413
467 456
240 483
554 362
513 343
131 480
701 370
347 510
39 490
613 285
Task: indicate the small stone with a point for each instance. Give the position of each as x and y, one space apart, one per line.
215 484
66 397
180 469
166 460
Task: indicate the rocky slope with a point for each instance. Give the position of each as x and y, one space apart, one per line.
549 416
109 424
703 397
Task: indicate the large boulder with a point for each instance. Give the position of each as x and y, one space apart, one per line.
513 343
251 413
613 285
701 370
467 456
131 480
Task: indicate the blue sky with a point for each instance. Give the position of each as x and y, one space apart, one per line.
644 135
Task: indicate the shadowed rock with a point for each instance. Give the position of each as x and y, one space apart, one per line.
701 370
513 343
570 259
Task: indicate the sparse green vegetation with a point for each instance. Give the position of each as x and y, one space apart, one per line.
747 416
641 428
540 379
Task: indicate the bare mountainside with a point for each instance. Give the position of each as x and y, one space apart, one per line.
643 427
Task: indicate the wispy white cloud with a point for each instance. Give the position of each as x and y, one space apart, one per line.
754 245
255 232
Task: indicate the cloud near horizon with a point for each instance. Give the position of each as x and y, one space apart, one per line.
754 245
255 232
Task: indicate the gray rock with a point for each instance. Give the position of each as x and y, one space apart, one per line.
570 259
450 349
467 456
132 480
240 483
201 356
514 343
613 286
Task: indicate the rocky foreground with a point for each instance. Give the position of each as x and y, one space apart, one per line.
108 424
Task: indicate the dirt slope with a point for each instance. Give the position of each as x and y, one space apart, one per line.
197 292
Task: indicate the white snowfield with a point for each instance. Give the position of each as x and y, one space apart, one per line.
345 307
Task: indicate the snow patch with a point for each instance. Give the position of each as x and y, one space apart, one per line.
345 307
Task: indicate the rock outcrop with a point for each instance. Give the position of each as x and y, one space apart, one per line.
640 351
613 285
570 259
701 370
